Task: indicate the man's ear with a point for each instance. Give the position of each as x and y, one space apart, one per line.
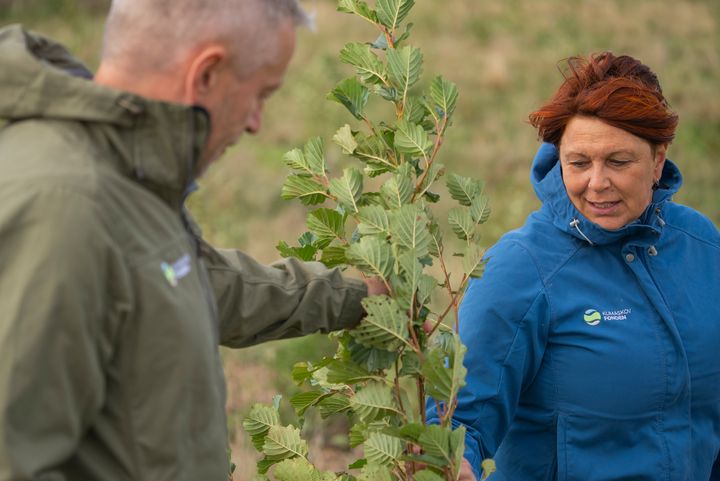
203 72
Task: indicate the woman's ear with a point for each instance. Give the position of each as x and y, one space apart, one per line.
203 73
659 160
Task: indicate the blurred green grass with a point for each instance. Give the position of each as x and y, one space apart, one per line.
502 54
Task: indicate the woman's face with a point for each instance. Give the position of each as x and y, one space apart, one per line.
608 172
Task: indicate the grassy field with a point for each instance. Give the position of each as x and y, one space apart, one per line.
502 54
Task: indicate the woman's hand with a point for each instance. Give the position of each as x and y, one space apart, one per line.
466 472
375 286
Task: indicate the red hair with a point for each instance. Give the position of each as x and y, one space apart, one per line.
621 91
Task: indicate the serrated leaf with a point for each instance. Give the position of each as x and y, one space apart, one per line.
382 450
347 372
444 94
300 469
373 401
371 150
304 188
411 138
303 400
427 475
284 442
327 225
375 473
414 111
436 241
352 95
310 161
371 358
461 223
357 435
443 382
333 256
391 13
320 378
426 286
358 7
345 139
360 463
368 66
301 372
373 220
409 228
480 209
397 191
348 188
260 419
305 253
435 171
264 464
372 255
384 327
410 364
463 189
473 264
457 446
435 441
404 68
332 405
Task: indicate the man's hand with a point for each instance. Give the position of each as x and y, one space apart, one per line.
466 472
375 286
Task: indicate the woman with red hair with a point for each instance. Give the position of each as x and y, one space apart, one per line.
594 335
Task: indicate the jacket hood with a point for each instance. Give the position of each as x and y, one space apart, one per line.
546 178
158 143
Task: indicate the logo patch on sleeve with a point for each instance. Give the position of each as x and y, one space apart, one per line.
177 270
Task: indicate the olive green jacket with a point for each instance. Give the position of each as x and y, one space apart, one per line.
111 306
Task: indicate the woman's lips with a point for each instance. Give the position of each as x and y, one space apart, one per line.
603 208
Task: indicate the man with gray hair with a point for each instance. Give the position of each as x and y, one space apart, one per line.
113 306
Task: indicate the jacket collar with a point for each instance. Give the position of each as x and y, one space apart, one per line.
157 143
546 177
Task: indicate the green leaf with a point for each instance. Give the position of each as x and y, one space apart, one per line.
373 220
284 442
351 94
368 66
300 469
409 228
373 401
473 263
464 189
443 382
310 161
427 475
397 191
357 435
414 111
457 446
444 94
360 463
436 241
327 225
382 450
426 286
301 372
435 171
345 139
410 364
371 358
373 472
305 253
385 325
332 405
372 255
480 209
303 400
435 441
333 256
358 7
347 372
260 419
347 189
303 187
371 150
412 139
391 13
404 68
461 223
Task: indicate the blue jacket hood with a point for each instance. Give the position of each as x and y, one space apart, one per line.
546 178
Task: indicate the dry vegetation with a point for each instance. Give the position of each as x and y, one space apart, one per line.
502 55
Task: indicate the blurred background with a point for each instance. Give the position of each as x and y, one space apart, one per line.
504 56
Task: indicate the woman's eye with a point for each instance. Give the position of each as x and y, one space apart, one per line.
617 162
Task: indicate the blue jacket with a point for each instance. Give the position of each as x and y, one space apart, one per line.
594 354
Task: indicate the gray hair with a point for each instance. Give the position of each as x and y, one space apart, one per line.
157 35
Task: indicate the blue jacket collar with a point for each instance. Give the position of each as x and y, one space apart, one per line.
546 178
